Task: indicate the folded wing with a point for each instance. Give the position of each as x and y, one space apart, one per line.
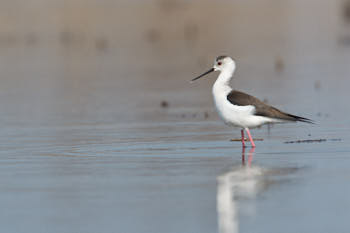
262 109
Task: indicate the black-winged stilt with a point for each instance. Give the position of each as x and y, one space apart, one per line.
240 109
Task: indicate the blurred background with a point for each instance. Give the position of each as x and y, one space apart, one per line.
96 103
103 60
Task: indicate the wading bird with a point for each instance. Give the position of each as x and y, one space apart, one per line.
240 109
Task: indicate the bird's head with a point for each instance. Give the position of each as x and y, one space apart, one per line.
222 63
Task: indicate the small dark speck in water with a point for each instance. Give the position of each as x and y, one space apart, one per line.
164 104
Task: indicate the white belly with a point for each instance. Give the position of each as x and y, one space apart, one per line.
239 116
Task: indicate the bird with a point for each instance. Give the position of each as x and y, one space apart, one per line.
239 109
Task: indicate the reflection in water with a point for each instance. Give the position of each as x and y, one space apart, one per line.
243 183
250 156
238 182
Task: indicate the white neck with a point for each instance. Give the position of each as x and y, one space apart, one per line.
225 76
221 89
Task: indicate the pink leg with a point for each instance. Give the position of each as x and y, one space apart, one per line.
242 133
250 137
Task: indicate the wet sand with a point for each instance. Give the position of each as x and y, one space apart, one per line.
102 132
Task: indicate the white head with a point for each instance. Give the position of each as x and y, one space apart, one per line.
222 64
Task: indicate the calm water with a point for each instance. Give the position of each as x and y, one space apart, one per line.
87 147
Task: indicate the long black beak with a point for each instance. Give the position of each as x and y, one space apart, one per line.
209 71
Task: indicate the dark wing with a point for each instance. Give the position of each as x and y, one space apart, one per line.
262 109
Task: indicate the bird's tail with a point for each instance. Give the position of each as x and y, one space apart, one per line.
302 119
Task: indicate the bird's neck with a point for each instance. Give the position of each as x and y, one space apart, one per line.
224 78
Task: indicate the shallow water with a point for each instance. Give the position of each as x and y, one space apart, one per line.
87 147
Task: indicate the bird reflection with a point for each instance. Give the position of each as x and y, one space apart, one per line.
237 190
237 183
250 156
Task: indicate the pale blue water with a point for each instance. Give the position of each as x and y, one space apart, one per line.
89 179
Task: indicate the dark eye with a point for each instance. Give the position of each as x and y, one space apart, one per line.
219 63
